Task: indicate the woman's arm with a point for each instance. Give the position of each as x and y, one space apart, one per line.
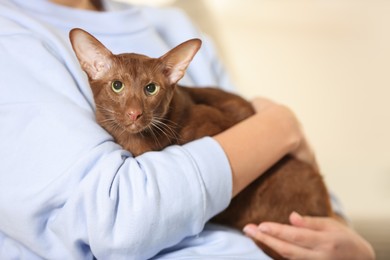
257 143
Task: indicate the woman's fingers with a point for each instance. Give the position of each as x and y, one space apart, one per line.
302 233
312 238
261 103
299 236
277 237
313 223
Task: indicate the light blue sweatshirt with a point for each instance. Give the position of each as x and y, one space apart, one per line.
67 191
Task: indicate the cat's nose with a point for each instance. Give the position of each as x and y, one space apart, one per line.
134 115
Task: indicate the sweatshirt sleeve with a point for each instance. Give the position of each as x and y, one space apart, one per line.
135 207
68 191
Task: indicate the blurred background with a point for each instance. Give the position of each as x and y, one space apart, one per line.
329 60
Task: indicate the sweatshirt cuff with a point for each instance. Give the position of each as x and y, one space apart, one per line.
214 173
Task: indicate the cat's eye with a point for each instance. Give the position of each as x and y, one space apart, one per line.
152 89
117 86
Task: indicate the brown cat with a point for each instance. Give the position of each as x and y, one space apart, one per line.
140 104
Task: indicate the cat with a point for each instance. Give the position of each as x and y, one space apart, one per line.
139 102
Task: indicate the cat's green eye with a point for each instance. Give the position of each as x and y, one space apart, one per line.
117 86
152 89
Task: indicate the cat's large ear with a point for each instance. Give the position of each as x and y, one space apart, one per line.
94 58
178 59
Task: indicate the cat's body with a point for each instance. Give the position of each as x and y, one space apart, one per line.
140 104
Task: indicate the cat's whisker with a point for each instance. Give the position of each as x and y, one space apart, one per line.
170 126
122 132
152 127
107 120
105 109
111 124
168 122
156 126
155 138
165 129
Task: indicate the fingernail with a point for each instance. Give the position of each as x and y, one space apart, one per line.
296 215
250 230
264 228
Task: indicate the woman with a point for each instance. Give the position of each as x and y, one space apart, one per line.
68 191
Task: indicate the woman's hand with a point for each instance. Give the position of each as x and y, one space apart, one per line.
312 238
302 150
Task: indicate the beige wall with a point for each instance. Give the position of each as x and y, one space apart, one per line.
330 61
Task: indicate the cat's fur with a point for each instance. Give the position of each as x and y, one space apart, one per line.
141 120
